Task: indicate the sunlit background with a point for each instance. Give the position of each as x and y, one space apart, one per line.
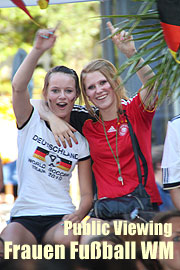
77 42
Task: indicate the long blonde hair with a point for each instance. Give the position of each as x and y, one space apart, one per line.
110 72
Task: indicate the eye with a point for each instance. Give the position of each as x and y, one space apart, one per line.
103 82
91 87
176 238
54 90
68 91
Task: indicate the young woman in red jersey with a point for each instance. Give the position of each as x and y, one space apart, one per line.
106 129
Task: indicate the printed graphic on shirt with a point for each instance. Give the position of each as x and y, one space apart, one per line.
64 164
53 148
112 129
123 129
40 153
52 159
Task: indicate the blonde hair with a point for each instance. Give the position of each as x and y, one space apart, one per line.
110 72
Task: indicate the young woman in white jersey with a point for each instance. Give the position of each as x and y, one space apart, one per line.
44 169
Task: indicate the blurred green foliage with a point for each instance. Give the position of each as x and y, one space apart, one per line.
77 41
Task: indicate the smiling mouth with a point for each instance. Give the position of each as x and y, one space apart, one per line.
101 97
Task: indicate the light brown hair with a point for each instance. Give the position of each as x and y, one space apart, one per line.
66 70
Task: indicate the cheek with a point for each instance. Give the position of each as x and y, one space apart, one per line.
89 94
112 93
50 96
72 99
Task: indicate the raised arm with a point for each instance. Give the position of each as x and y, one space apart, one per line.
126 45
21 102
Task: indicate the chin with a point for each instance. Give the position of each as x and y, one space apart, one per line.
64 116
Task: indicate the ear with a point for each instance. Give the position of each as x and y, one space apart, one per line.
44 96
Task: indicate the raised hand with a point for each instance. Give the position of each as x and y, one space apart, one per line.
45 39
123 41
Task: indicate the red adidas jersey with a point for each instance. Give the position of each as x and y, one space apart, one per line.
105 167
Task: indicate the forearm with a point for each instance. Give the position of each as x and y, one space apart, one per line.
44 111
61 129
149 93
85 205
175 195
145 73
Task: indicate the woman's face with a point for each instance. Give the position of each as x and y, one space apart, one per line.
99 90
173 264
61 94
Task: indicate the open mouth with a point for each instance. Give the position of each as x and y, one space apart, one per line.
61 104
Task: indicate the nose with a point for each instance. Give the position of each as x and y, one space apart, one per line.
98 88
62 94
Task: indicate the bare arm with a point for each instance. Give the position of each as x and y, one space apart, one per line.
21 102
126 45
62 130
86 192
175 195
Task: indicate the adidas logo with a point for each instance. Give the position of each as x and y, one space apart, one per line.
112 129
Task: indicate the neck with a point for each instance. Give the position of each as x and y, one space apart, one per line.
109 114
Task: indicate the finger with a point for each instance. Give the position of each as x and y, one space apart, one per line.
71 128
65 217
51 31
57 140
68 139
57 25
42 34
111 27
73 137
63 141
122 35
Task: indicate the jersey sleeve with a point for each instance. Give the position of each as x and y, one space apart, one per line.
171 153
171 177
171 158
136 112
79 115
83 150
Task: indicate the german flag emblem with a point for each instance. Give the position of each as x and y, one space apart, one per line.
40 153
64 164
169 14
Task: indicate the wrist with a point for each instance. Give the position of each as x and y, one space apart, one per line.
79 214
129 54
37 52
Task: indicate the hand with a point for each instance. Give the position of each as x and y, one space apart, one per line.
72 217
62 131
45 39
123 41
